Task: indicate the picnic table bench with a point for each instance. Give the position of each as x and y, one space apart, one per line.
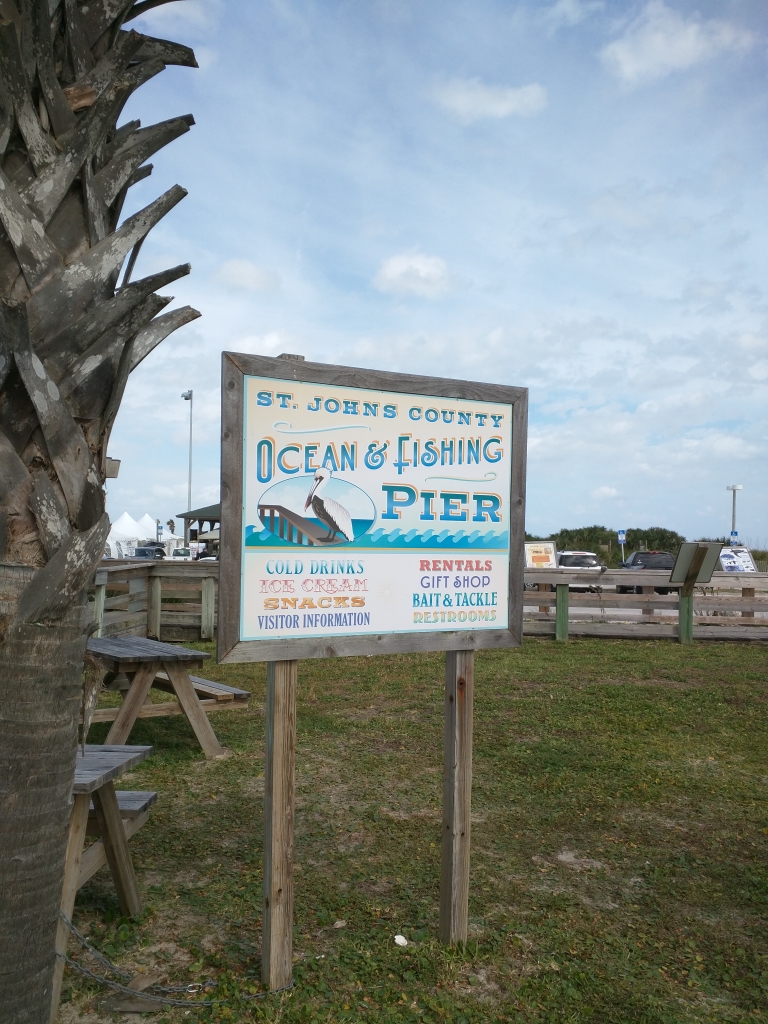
98 810
143 664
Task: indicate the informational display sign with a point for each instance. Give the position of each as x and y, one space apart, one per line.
737 560
541 555
380 509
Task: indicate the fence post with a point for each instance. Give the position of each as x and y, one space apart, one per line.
277 920
99 598
648 611
154 606
749 593
561 612
685 619
457 796
544 587
208 608
685 612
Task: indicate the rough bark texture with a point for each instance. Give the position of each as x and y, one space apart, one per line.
69 338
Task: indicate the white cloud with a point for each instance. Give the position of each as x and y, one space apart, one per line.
759 371
179 15
413 273
246 275
566 13
470 100
660 41
600 493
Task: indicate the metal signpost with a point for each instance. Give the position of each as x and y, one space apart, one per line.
734 532
188 396
693 567
366 512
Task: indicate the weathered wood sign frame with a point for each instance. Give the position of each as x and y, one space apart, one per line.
282 654
235 369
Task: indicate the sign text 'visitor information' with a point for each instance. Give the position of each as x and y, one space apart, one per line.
372 512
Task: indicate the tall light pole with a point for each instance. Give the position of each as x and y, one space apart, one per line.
734 533
187 396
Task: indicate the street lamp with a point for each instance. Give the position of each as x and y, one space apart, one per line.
734 533
187 396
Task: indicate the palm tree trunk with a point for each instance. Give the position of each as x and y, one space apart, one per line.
40 695
69 338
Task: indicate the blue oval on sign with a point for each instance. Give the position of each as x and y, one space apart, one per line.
338 513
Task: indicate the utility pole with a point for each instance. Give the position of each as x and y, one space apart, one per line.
734 532
187 396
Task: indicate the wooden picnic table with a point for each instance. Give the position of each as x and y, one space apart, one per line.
143 661
117 818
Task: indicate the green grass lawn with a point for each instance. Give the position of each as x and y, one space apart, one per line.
620 833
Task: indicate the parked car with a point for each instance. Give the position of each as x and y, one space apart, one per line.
584 561
149 552
182 554
648 560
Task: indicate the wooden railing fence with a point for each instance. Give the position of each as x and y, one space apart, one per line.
734 606
162 600
177 602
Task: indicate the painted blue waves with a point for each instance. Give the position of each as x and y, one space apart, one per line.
396 539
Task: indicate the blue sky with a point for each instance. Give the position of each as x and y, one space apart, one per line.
568 196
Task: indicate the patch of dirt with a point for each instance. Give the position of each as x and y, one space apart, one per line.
569 859
598 904
657 820
381 887
253 786
387 746
671 684
478 984
70 1014
171 920
351 840
572 860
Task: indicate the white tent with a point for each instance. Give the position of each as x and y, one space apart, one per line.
126 527
147 527
124 535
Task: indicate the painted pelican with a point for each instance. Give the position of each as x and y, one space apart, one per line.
329 512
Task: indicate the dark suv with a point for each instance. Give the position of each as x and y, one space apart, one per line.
149 551
648 560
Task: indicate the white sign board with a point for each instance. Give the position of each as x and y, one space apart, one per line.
371 511
540 555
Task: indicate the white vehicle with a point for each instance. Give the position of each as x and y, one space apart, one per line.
583 561
181 555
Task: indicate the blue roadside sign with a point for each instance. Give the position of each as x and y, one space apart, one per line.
734 538
622 534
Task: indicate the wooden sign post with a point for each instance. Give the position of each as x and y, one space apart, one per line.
366 512
693 567
279 809
457 796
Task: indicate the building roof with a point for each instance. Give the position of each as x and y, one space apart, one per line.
210 512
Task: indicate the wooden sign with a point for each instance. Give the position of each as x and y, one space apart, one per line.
366 512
